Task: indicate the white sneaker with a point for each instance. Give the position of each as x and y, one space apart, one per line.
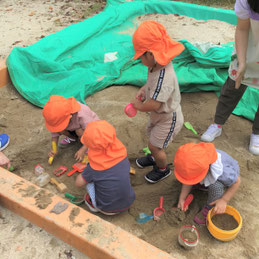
213 131
254 144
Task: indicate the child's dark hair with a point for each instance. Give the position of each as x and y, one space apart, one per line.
254 5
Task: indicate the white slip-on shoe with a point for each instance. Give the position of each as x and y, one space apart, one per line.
254 144
213 131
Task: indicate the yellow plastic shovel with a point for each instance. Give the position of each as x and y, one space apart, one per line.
54 149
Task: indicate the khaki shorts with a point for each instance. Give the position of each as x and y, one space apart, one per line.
161 130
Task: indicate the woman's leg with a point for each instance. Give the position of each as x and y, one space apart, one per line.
256 123
228 100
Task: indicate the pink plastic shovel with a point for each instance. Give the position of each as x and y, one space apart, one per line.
159 210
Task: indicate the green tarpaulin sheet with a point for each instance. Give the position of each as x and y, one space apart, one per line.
88 56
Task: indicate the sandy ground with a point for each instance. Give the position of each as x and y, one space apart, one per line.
30 143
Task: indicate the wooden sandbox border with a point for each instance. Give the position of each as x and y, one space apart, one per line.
82 230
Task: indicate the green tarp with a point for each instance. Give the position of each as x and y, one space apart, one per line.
88 56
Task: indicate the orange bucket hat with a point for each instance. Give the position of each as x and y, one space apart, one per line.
57 112
192 162
105 149
152 36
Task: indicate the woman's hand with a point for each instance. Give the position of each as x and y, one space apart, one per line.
220 206
240 75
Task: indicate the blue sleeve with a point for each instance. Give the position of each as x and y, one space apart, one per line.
87 174
230 169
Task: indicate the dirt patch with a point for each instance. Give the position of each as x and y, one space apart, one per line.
73 214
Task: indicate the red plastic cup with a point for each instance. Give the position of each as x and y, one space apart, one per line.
130 110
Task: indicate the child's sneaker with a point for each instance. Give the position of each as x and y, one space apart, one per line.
108 213
157 175
65 142
213 131
88 202
201 217
254 144
145 161
4 141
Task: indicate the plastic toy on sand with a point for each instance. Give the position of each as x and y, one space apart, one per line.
54 149
159 210
189 126
188 200
39 169
221 234
130 111
60 170
74 199
143 218
188 237
77 167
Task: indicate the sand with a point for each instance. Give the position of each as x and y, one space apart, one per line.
224 221
30 143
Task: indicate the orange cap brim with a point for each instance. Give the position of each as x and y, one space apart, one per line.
57 128
192 181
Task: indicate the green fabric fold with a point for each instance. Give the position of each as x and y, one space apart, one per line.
88 56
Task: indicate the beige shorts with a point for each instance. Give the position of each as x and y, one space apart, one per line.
163 129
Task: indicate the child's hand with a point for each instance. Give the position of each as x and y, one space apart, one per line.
51 153
79 155
136 103
141 94
181 205
4 161
220 206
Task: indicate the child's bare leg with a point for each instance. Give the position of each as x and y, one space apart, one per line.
160 169
159 156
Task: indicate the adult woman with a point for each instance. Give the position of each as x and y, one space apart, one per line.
243 71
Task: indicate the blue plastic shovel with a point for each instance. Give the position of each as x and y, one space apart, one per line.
143 218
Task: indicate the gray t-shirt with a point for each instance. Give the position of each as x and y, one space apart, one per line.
113 191
230 169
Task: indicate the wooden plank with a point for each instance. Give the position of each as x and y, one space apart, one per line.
84 231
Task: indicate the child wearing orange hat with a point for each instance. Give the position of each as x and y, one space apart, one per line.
160 95
66 116
106 176
211 168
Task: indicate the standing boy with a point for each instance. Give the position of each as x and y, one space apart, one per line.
160 95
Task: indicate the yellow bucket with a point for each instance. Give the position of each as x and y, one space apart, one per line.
220 234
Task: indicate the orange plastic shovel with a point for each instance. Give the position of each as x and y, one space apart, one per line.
159 210
77 167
